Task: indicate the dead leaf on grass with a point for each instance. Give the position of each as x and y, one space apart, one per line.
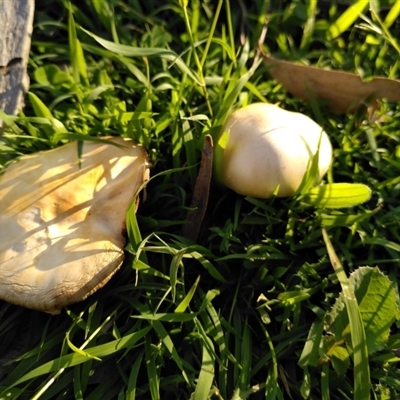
63 221
201 191
342 91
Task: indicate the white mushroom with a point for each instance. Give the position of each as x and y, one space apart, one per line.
268 147
62 221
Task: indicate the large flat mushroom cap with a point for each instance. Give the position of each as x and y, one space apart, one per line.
62 221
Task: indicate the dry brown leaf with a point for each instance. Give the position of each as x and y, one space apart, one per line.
201 192
62 221
342 91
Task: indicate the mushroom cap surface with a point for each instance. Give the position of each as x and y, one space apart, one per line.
270 147
62 221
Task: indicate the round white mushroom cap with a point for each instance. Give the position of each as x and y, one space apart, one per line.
270 147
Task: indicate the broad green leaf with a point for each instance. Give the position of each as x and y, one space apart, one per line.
378 305
358 341
337 195
347 18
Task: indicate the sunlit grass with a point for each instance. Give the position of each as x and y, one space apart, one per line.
242 312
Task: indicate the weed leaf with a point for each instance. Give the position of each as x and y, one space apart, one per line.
378 305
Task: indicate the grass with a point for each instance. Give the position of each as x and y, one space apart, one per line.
252 309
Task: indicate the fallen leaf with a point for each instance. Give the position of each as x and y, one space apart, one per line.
62 221
201 191
342 91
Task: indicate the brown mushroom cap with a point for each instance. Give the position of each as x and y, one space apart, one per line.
62 221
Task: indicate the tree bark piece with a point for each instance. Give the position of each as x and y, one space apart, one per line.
16 21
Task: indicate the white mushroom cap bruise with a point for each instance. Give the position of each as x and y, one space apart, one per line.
62 221
270 147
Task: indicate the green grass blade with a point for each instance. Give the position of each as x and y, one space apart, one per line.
184 304
190 147
80 351
246 358
392 15
132 382
310 354
387 34
211 269
347 18
152 371
131 51
167 317
159 73
169 344
212 33
358 338
325 382
309 25
78 392
41 110
206 376
271 384
76 52
73 359
173 271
